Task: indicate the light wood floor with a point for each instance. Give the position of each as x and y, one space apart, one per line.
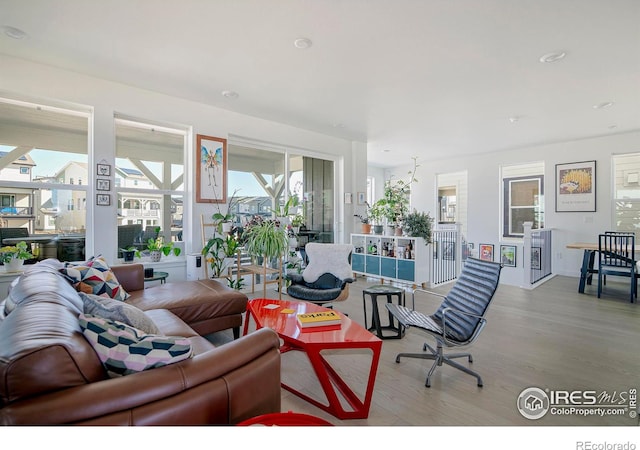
551 337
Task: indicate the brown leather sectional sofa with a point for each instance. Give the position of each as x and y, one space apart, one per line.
50 374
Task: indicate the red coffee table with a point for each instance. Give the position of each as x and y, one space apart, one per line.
348 335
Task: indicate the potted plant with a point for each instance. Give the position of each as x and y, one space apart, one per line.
297 222
418 224
364 220
224 221
395 200
13 256
376 214
157 247
220 253
263 238
129 253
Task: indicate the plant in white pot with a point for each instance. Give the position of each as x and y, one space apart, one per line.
158 247
224 220
13 256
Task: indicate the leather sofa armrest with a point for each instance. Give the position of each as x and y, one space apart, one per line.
247 371
130 276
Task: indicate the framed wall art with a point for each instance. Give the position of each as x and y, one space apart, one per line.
508 255
486 252
576 187
103 199
362 198
104 170
536 258
211 169
449 250
103 184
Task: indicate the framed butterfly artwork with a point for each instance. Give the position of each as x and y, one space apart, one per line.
211 169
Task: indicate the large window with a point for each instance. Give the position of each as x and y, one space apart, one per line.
523 198
43 158
626 192
257 176
149 178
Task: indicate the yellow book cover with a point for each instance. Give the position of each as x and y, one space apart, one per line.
318 319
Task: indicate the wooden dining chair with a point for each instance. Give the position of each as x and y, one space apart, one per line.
617 257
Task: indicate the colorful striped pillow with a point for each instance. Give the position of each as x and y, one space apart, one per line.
124 350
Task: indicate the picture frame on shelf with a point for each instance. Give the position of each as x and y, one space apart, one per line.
576 187
103 199
485 252
211 169
103 170
103 184
508 255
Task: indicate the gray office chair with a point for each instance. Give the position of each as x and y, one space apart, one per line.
459 319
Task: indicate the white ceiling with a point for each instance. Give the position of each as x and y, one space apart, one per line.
431 78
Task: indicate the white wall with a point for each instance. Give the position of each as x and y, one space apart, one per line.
26 78
485 186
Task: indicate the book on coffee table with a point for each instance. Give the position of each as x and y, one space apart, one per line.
318 319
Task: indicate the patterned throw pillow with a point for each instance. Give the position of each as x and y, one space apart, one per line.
95 277
124 350
111 309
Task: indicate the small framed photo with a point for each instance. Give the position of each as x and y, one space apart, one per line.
449 250
103 199
536 258
486 252
104 170
103 185
347 198
362 198
508 255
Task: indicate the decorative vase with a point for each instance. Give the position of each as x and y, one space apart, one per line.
14 265
155 255
398 231
128 255
377 229
226 227
366 228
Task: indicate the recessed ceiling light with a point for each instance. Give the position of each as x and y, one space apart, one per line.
613 127
302 43
552 57
386 150
603 105
338 125
230 94
514 119
14 33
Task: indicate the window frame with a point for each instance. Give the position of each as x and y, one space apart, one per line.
507 206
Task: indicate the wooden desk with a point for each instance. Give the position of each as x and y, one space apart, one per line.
588 258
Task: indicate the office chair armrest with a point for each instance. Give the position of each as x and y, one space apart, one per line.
445 311
413 296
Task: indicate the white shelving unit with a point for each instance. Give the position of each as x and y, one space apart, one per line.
395 258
